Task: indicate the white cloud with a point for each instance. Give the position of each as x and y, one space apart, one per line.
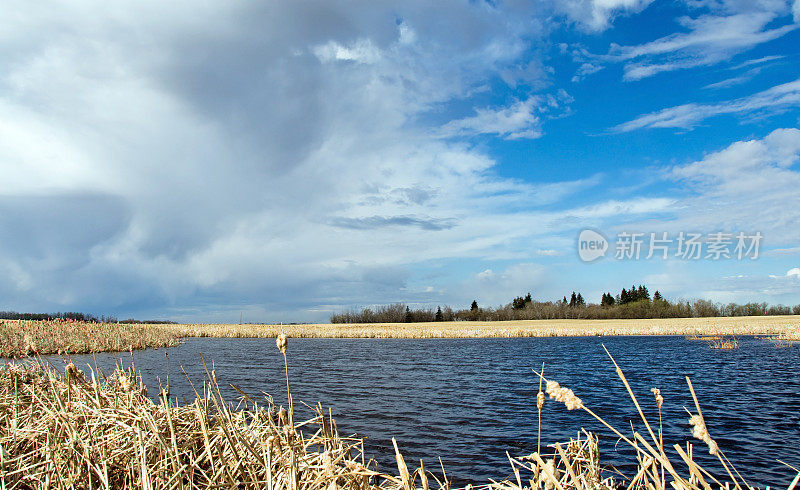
493 289
711 39
793 272
597 15
796 10
585 70
517 121
688 116
710 33
520 120
750 186
361 51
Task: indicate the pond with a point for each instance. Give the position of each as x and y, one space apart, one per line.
469 401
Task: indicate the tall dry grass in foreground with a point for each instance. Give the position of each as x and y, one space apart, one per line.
72 431
28 337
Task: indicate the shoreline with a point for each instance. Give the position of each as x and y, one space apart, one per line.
727 326
20 338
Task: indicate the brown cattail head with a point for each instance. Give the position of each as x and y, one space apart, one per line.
281 343
659 398
700 431
540 400
563 395
73 372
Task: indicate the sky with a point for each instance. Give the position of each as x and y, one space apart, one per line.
281 161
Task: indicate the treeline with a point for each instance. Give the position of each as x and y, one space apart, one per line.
395 313
67 315
72 315
632 303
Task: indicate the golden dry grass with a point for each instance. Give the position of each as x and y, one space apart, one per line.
22 337
719 326
27 337
724 343
70 431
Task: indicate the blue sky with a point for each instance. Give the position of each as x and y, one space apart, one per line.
198 160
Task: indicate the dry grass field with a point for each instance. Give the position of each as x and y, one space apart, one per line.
761 325
19 338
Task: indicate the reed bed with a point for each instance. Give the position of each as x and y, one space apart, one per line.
719 326
19 338
722 343
67 430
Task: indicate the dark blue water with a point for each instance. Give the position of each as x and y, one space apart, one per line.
469 401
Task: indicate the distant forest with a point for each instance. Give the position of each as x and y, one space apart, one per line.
71 315
635 302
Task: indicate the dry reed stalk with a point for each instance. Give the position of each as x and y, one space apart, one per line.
67 431
654 465
723 343
539 406
19 338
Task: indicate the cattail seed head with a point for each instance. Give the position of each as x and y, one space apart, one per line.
563 395
281 343
659 398
73 372
540 400
700 431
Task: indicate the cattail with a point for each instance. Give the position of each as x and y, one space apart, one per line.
540 400
281 343
30 345
73 372
700 431
564 395
659 398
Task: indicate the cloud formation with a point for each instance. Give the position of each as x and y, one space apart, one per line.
193 160
688 116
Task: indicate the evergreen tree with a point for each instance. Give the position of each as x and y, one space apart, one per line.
573 300
474 306
439 316
579 300
657 296
528 298
642 293
564 300
624 297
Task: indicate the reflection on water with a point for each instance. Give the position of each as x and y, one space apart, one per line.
469 401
